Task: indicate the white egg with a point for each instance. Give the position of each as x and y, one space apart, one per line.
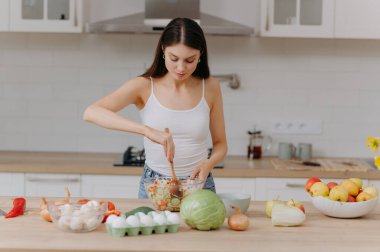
85 209
91 223
173 218
146 221
119 222
132 221
64 222
159 219
76 223
140 215
66 210
93 204
166 212
153 213
111 218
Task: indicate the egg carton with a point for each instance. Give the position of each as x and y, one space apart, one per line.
134 231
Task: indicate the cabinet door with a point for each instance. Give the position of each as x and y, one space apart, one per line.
46 15
51 185
4 15
235 185
357 19
12 184
110 186
297 18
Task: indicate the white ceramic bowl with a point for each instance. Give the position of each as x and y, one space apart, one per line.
240 200
343 209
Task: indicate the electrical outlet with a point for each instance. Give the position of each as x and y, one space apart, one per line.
297 127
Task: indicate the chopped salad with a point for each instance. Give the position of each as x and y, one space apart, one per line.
158 191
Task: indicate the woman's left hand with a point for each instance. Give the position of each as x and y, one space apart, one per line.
202 171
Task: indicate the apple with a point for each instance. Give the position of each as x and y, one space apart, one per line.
310 182
319 189
351 199
351 187
338 193
330 185
296 204
371 190
363 196
269 205
357 181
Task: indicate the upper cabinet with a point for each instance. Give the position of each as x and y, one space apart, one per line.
45 15
297 18
4 15
357 19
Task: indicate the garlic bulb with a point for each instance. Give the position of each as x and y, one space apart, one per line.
287 216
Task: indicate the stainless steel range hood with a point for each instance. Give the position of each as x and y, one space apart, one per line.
159 12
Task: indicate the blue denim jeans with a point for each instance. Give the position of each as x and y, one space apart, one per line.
149 173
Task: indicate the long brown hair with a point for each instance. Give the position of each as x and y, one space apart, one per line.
180 30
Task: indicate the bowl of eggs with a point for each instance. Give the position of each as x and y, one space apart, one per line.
144 224
168 197
76 217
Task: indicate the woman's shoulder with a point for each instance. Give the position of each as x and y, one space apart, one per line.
212 84
138 82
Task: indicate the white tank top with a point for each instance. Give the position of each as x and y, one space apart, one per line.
189 129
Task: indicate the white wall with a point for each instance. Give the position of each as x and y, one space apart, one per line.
46 81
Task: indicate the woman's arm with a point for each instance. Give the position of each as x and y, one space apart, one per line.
217 129
104 113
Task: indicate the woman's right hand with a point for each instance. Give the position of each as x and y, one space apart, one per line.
165 139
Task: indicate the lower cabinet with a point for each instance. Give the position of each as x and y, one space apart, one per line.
52 185
110 186
235 185
12 184
286 188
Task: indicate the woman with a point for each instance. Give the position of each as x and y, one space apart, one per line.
177 93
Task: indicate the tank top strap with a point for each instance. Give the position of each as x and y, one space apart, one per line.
203 88
151 85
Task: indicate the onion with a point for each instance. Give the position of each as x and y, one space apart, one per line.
64 201
44 212
238 221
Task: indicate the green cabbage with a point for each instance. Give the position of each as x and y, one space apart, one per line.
203 210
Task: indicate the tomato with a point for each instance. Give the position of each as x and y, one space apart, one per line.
110 205
83 201
108 213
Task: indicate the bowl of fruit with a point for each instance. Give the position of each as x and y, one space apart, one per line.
348 199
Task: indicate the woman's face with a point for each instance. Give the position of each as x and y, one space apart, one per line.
181 60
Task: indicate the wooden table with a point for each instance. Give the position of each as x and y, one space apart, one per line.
319 233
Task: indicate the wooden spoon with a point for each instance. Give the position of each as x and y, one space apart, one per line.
175 184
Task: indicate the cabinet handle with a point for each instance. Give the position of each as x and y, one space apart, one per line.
48 180
295 185
267 17
75 13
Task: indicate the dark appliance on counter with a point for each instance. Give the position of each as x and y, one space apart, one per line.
136 157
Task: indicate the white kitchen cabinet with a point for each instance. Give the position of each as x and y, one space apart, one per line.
45 15
235 185
286 188
110 186
52 185
11 184
4 15
297 18
357 19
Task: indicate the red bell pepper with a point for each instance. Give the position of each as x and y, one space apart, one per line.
19 205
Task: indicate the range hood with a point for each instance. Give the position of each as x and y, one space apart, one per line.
159 12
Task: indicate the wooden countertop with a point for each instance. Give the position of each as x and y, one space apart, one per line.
318 233
101 163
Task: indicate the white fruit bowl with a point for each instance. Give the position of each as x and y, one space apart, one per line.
343 209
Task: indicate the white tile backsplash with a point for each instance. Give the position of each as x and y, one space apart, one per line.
47 80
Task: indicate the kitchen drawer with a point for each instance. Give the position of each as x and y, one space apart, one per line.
285 188
52 185
235 185
11 184
110 186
